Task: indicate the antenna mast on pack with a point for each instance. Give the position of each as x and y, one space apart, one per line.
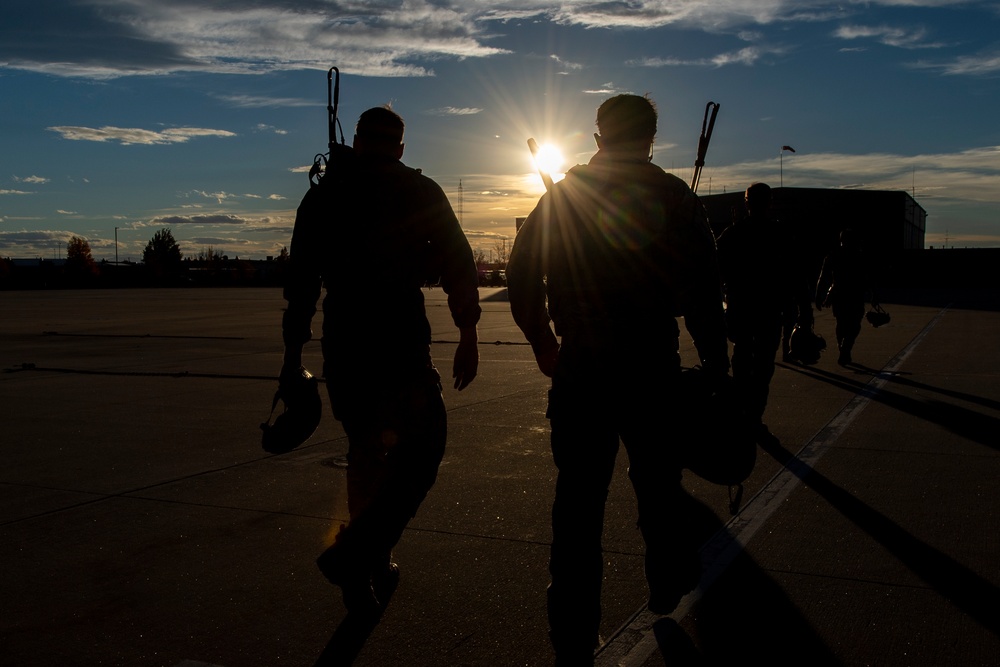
707 125
333 122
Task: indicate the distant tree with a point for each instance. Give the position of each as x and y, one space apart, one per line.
283 255
162 256
479 255
502 253
210 255
80 264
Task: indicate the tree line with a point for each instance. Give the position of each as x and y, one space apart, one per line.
163 264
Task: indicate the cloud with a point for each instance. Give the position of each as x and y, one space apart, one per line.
31 179
608 88
217 196
482 234
261 102
566 64
211 219
967 176
710 15
128 136
108 38
455 111
906 38
748 55
218 241
976 65
35 238
112 38
15 192
271 197
62 212
263 127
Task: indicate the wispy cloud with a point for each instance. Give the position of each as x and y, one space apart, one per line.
608 88
15 192
372 39
455 111
128 136
565 64
219 196
262 102
211 219
34 237
263 127
748 55
109 38
218 241
31 179
974 65
906 38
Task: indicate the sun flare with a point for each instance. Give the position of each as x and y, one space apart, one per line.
549 159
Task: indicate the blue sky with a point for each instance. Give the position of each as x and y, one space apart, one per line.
202 116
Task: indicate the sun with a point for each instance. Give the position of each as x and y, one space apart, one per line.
549 159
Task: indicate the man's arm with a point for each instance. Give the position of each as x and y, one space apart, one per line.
303 281
466 364
526 269
460 281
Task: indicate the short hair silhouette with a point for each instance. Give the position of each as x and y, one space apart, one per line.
381 125
758 196
626 119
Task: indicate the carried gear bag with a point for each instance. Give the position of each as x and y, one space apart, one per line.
300 417
719 446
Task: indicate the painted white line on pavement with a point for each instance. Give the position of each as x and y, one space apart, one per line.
635 642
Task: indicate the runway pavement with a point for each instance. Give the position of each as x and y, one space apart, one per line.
142 524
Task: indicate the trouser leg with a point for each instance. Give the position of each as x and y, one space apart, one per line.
849 316
393 458
755 345
766 342
672 563
584 453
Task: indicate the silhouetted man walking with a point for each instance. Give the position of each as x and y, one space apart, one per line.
842 285
373 231
754 257
618 249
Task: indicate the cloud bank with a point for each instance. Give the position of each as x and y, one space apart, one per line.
111 38
128 136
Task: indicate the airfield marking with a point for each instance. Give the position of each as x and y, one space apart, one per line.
635 642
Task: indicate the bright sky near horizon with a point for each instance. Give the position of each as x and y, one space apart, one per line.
204 115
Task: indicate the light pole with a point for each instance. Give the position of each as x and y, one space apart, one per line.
781 163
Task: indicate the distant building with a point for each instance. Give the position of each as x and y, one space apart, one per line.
888 221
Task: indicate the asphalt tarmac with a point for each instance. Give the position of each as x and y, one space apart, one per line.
142 524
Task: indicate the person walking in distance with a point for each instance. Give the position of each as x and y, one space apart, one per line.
842 286
754 257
